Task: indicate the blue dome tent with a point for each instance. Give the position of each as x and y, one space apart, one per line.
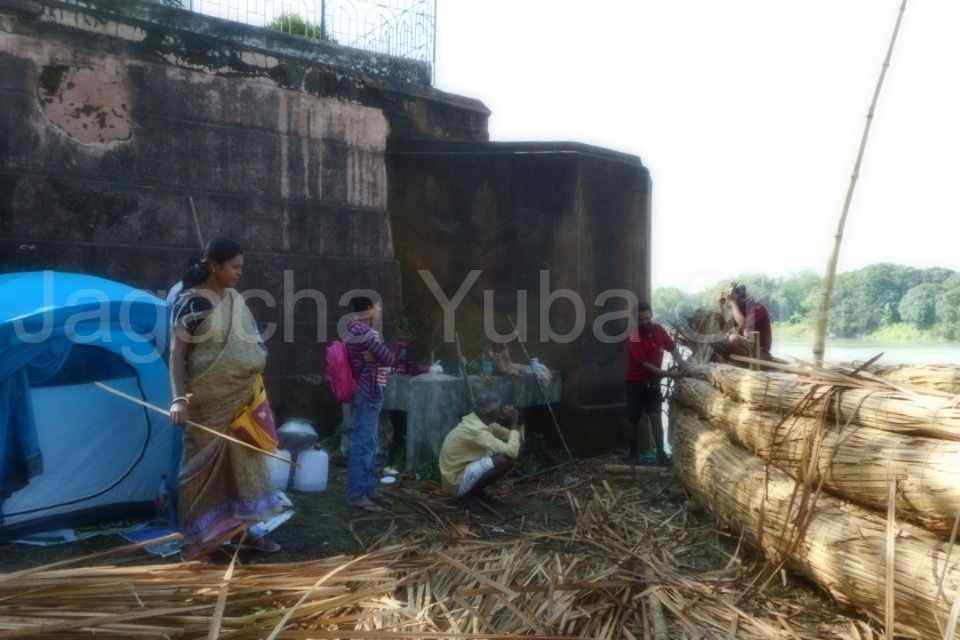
70 452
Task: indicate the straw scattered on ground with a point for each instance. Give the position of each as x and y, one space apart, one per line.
631 559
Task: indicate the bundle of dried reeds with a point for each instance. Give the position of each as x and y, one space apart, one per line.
182 600
854 463
842 547
842 397
934 377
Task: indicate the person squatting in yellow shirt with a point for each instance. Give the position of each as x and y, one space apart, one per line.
479 451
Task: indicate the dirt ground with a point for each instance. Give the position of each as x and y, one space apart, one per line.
324 525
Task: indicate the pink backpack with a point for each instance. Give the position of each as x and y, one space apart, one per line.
339 373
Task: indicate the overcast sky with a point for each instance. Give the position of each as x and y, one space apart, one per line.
747 113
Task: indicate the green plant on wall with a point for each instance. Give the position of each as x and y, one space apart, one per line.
296 25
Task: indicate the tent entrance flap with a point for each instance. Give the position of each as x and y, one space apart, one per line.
91 443
23 364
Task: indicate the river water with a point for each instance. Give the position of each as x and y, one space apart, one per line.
855 350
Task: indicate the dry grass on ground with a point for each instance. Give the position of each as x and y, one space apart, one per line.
574 553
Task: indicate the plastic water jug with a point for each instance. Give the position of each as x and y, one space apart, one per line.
279 470
311 474
297 434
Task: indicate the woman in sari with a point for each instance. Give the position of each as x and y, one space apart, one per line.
216 359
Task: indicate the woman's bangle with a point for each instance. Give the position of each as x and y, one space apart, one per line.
184 399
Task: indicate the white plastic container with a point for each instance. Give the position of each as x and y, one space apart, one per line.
311 473
279 470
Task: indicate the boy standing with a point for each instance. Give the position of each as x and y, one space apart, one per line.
370 360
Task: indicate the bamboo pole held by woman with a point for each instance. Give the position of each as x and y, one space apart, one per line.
191 423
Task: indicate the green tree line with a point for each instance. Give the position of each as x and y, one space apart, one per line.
883 300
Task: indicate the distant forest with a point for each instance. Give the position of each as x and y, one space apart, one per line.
882 302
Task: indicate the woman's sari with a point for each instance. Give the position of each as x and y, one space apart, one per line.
223 487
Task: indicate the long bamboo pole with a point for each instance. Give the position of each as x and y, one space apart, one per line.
117 551
196 223
889 627
463 372
543 390
195 425
831 275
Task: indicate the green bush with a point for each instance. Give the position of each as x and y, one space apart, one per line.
919 306
902 332
295 25
671 306
951 283
948 313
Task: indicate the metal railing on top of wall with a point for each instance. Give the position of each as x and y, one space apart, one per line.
402 28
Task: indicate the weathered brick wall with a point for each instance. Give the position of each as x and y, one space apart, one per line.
109 125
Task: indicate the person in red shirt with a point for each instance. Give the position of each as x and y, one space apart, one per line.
647 344
754 336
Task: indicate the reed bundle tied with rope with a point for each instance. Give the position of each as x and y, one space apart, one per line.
854 462
840 546
906 412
